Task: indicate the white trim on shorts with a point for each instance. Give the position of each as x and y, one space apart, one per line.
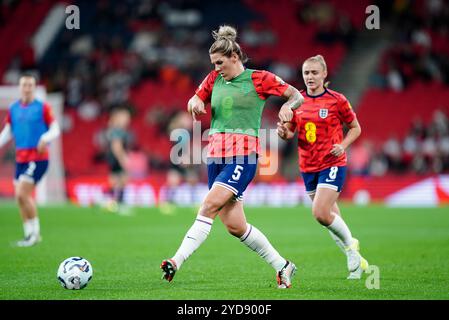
226 186
24 177
328 186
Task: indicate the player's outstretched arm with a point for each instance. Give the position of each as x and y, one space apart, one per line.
294 100
196 107
5 135
52 133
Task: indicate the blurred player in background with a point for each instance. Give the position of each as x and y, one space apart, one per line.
322 158
118 141
32 125
237 97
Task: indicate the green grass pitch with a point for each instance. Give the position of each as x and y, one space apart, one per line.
409 246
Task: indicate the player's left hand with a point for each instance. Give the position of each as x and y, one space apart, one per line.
337 150
41 147
282 130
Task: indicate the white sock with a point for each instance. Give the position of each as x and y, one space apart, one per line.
27 228
337 241
339 228
36 228
196 235
256 241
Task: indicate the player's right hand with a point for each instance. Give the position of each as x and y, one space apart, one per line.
196 107
286 113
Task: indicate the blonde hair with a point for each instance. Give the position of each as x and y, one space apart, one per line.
225 43
320 59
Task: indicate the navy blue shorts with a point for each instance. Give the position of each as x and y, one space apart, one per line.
233 173
31 172
332 178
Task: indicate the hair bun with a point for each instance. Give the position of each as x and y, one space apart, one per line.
225 32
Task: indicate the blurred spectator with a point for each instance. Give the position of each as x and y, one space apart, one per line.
137 164
89 110
182 169
74 94
429 151
393 153
82 46
419 52
283 70
257 34
418 129
421 37
378 166
419 163
115 86
410 146
424 150
394 80
168 190
360 157
12 75
443 148
440 123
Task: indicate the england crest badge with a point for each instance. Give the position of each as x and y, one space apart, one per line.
323 113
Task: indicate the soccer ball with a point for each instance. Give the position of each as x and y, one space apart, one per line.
75 273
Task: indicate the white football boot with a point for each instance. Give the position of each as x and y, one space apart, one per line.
285 275
356 263
29 241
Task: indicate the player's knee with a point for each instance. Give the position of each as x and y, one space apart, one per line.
210 208
21 197
316 211
322 214
236 230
